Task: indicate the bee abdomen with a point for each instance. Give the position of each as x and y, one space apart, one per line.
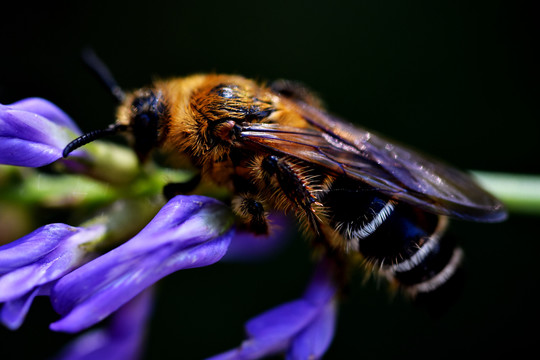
411 248
406 245
434 261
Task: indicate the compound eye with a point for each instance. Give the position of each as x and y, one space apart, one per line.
148 111
145 131
142 122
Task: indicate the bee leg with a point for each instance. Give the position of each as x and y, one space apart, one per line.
295 186
295 91
251 211
172 189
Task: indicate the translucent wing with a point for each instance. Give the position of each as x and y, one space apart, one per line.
394 170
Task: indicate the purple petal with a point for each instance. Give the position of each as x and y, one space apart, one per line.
284 321
322 287
188 232
315 339
272 332
47 110
33 246
304 327
27 138
122 339
13 312
66 256
121 284
254 349
249 247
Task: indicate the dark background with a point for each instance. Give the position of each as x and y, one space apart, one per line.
456 79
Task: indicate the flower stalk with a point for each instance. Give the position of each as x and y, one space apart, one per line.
519 192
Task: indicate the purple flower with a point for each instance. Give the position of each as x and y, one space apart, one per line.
13 312
303 328
32 262
121 339
188 232
33 132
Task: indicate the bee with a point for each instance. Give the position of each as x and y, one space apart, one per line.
276 148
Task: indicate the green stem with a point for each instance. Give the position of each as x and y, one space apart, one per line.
520 193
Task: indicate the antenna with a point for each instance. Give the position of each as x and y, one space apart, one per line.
91 136
102 71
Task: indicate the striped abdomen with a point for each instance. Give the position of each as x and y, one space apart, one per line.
405 244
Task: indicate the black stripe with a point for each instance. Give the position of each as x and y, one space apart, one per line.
432 264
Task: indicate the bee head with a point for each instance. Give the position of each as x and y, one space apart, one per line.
144 114
140 114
